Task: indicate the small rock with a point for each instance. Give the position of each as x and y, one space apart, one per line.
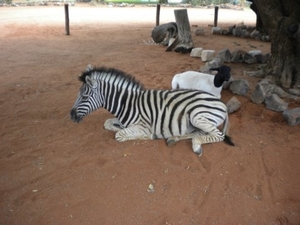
199 31
265 58
216 30
215 63
237 56
205 69
292 116
280 92
225 32
237 31
249 59
257 73
254 33
262 89
245 33
233 105
273 102
265 38
225 55
196 52
239 87
226 84
230 29
207 55
254 52
294 92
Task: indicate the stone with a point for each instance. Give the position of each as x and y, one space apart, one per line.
265 38
230 29
237 56
254 52
199 31
262 89
225 55
280 92
265 58
294 91
225 32
245 33
256 73
205 69
273 102
255 34
233 105
259 58
215 63
196 52
237 31
216 30
240 87
226 84
292 116
249 59
207 55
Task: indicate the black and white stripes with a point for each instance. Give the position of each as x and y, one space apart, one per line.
150 114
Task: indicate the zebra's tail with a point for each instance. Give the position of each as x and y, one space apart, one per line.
225 131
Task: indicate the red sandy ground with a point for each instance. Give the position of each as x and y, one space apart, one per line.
53 171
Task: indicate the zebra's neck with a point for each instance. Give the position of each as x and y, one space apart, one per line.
120 102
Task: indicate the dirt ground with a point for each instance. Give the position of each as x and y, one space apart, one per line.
53 171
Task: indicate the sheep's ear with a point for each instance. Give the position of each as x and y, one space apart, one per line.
91 82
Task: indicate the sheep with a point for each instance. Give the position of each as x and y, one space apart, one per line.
201 81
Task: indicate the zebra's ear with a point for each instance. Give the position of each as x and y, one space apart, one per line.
89 68
91 82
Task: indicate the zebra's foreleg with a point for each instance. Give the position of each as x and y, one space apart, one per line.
134 132
172 140
113 125
196 141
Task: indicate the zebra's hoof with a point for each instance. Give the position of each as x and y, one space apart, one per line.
198 150
171 142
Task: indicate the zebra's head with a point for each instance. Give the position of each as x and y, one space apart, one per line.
88 99
101 86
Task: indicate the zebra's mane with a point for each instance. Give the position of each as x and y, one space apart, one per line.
112 75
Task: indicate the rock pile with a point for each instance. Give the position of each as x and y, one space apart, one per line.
265 92
242 31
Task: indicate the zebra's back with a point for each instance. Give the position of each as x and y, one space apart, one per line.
169 113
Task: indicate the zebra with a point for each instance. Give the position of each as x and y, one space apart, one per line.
144 114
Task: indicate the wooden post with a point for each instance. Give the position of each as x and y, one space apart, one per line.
216 16
157 14
67 27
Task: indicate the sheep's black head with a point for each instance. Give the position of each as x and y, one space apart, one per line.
222 75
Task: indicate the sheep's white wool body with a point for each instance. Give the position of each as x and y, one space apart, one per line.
196 80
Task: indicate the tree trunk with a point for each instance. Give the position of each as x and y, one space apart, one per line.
281 19
183 42
259 24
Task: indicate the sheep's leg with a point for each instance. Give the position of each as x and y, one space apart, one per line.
134 132
113 125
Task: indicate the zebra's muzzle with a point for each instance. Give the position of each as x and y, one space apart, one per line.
74 116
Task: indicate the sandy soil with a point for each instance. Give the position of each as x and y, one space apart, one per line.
53 171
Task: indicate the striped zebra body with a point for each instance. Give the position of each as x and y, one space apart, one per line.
149 114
